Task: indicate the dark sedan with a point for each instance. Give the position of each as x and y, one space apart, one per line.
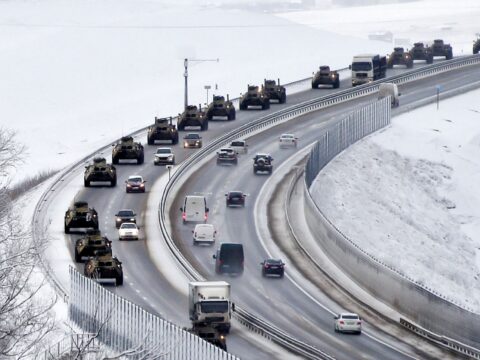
125 215
272 267
135 183
235 198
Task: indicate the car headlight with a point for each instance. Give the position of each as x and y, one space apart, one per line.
186 144
132 220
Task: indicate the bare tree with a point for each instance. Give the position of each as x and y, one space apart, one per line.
25 317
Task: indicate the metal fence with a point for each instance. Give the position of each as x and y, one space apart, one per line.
431 313
81 346
127 328
338 137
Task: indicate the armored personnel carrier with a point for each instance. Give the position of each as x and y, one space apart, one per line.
100 171
262 163
476 46
254 97
421 52
163 129
439 48
275 91
104 268
325 76
127 149
86 247
80 216
400 57
192 116
221 107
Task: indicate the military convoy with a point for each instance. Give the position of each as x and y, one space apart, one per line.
421 52
439 48
192 116
87 246
100 171
104 267
325 76
127 149
400 57
476 46
275 91
162 129
255 96
80 216
221 107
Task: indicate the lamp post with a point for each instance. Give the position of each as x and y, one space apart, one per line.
185 74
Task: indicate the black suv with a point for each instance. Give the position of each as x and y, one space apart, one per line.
229 259
272 267
125 215
235 198
262 163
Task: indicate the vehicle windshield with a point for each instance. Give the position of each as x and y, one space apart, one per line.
274 261
287 136
192 136
164 151
214 306
128 226
350 317
237 143
135 179
361 66
125 213
235 194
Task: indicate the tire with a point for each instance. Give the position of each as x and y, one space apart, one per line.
180 127
430 60
195 243
254 171
390 65
86 183
78 258
314 85
119 280
66 229
449 56
336 84
232 115
243 106
209 117
283 99
140 159
150 141
114 160
113 182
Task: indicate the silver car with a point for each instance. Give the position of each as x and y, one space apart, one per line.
348 322
164 155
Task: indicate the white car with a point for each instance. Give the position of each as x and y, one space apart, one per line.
240 146
288 140
348 322
128 231
164 155
204 233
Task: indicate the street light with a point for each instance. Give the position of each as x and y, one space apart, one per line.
207 87
185 74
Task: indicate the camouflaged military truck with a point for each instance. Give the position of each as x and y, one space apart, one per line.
399 57
93 241
476 46
104 268
221 107
192 116
325 76
255 96
127 149
163 129
100 171
275 91
80 216
439 48
421 52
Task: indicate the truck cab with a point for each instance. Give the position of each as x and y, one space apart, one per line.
367 68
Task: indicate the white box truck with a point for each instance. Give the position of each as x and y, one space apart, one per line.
210 304
367 68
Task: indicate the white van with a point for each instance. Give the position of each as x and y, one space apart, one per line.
194 209
389 89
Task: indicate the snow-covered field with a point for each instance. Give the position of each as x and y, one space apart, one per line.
409 195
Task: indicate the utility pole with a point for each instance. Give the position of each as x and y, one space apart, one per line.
185 74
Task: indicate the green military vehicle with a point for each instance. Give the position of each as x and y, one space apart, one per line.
325 76
399 57
127 149
80 216
87 246
421 52
221 107
100 171
104 268
192 116
163 129
255 96
476 46
275 91
439 48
